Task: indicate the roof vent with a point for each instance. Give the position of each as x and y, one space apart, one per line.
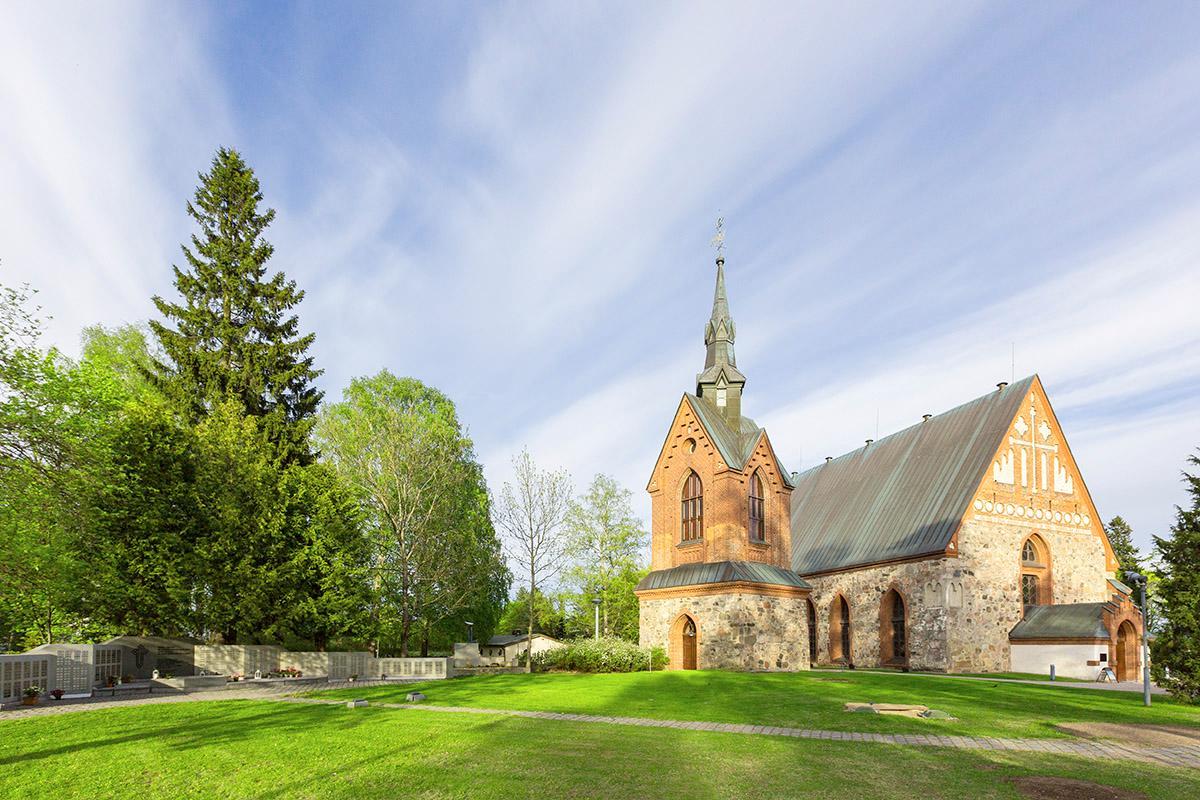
1001 385
828 459
926 417
870 440
795 476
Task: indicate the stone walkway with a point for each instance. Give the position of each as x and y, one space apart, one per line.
1171 756
1188 756
1123 686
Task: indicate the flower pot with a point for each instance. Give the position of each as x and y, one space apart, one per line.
29 701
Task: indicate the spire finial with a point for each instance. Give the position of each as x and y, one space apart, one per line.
718 241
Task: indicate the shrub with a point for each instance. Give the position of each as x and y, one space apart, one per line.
599 655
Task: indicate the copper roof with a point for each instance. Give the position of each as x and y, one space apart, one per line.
902 496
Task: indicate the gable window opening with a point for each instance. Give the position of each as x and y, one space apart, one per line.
722 397
1035 575
692 510
758 523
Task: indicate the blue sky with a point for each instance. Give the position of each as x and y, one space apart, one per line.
514 202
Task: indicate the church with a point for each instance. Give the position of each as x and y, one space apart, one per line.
967 542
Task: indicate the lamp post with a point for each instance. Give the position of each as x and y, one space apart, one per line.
1139 581
470 631
596 602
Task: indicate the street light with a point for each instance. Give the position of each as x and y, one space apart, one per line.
470 632
596 602
1138 580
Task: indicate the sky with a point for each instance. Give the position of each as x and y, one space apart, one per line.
514 203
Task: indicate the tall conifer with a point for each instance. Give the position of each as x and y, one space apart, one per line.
1176 647
232 333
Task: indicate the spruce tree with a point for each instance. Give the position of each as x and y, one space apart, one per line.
1120 536
1176 647
232 333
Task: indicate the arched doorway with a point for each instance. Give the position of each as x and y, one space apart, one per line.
893 630
687 647
812 632
839 632
1127 658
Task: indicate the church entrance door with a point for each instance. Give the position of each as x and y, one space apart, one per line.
688 649
1127 661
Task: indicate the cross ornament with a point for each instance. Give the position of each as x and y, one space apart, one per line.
1034 447
718 241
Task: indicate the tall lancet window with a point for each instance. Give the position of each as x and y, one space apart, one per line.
758 522
692 509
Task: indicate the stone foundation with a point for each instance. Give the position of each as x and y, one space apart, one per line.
737 631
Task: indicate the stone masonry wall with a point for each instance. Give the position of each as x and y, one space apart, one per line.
989 556
733 631
928 588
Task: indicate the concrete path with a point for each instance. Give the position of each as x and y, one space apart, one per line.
1124 686
1188 756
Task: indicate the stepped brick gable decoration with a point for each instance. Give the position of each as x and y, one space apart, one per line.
967 542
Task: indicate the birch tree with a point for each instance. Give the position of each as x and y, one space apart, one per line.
532 512
400 444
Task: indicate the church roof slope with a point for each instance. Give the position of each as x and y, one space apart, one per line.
1068 621
735 447
721 572
902 496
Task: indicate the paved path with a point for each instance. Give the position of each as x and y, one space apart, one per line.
1188 756
1123 686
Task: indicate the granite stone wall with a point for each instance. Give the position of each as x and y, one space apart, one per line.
930 590
733 631
989 559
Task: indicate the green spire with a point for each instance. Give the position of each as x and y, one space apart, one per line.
721 382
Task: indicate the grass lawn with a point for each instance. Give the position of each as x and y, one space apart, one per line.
799 700
261 749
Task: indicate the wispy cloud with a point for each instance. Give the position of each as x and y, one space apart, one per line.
515 206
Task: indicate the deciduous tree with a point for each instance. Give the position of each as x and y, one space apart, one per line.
532 513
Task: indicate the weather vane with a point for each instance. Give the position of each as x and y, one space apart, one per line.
718 241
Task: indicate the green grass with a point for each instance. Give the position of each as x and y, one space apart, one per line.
261 749
1022 676
799 699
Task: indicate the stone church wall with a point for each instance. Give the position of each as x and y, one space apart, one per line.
733 630
929 589
989 555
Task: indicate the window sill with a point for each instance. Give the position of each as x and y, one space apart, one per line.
692 543
759 543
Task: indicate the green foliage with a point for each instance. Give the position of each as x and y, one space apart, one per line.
1120 536
435 557
607 654
232 334
606 543
548 617
1175 650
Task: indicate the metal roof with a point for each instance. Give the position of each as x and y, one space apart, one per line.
721 572
902 496
737 446
1120 587
505 639
1068 621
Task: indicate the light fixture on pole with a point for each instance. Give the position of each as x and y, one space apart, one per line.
1138 580
470 631
596 602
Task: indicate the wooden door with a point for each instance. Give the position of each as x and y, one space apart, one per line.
1127 661
689 644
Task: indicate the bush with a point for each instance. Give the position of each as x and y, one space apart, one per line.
599 655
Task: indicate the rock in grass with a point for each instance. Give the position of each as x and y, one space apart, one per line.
415 697
357 704
861 708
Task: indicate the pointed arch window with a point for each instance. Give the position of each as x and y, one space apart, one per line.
758 521
1035 574
692 509
840 632
893 638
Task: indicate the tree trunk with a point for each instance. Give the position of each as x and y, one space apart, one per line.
529 641
425 642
